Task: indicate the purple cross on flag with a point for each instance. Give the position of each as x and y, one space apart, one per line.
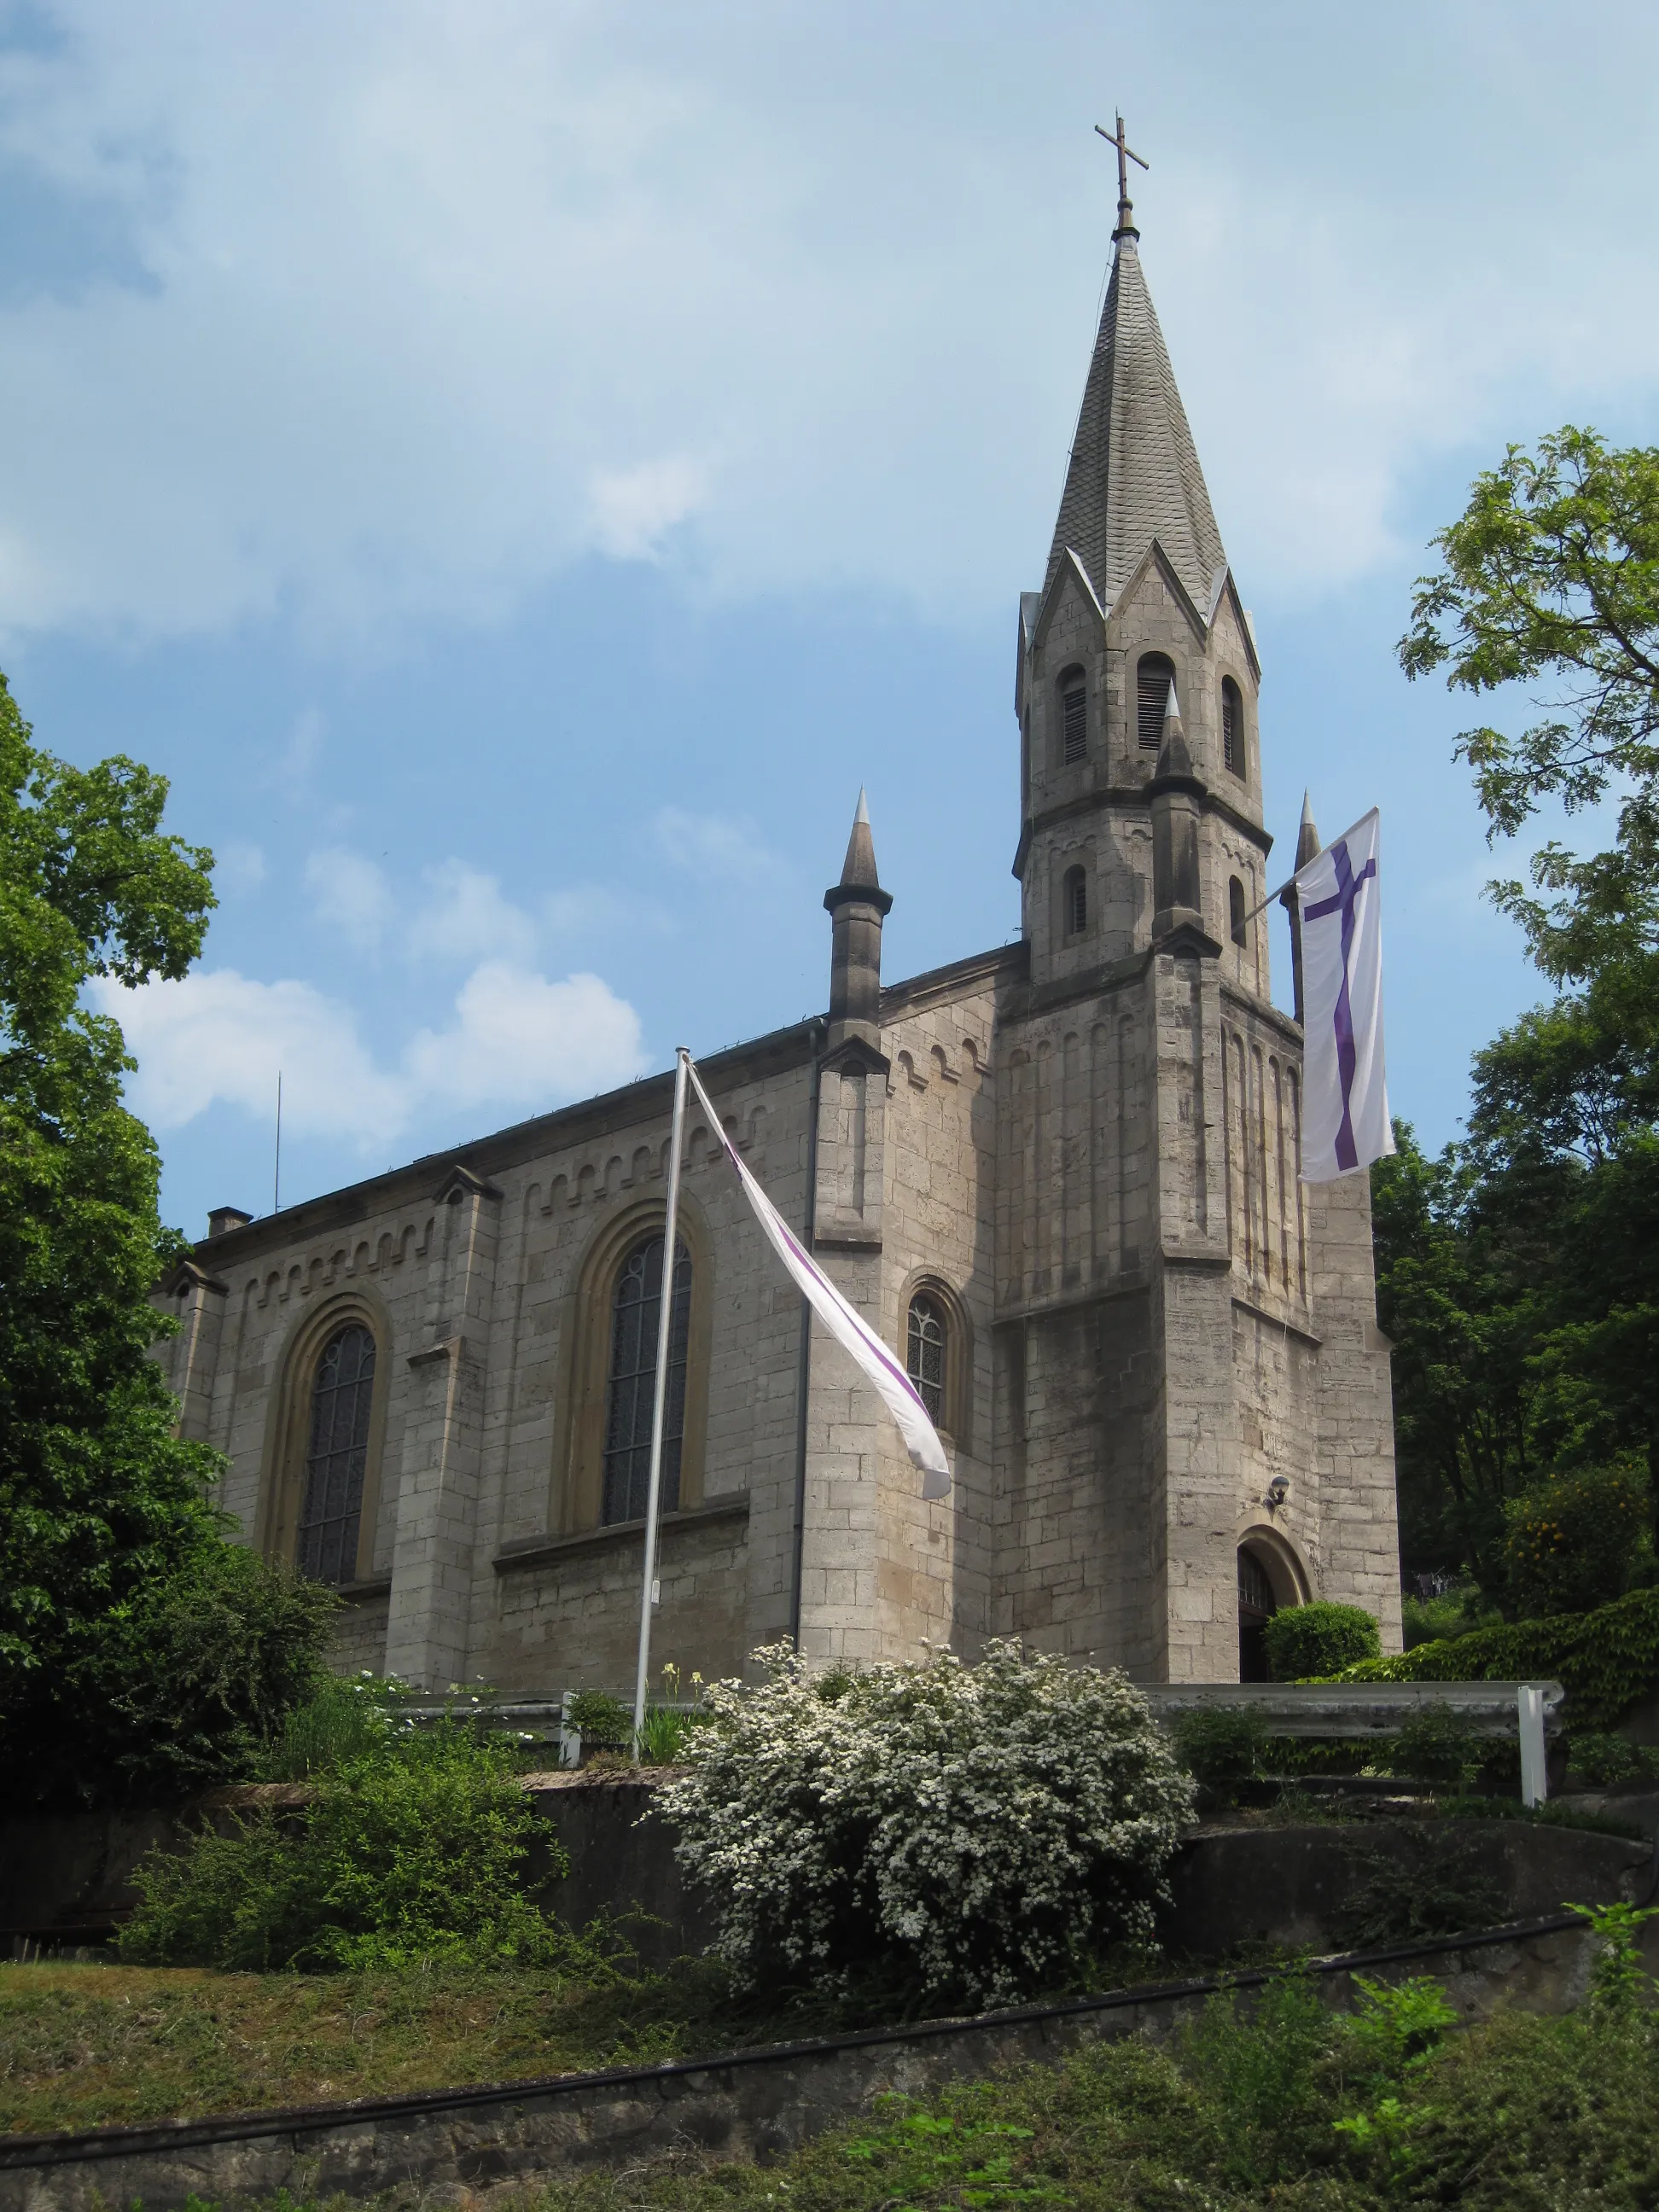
1345 1098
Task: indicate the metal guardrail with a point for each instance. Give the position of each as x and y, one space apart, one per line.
1530 1711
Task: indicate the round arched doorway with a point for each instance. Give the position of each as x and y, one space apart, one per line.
1256 1608
1269 1579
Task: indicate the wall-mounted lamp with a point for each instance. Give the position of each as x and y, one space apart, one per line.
1278 1490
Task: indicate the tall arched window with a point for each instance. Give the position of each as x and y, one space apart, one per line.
631 1388
926 1343
1074 716
1152 680
336 1457
1074 897
1232 727
1235 910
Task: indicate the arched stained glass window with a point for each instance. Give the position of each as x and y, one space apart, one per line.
635 1315
924 1353
336 1457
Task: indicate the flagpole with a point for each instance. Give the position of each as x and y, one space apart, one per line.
1289 884
659 1393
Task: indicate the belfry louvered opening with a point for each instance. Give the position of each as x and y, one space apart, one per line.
1074 716
1232 727
1152 680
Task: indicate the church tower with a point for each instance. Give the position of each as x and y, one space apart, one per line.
1195 1398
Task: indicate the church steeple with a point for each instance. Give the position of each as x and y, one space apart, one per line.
1135 473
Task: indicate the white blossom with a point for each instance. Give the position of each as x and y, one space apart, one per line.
990 1825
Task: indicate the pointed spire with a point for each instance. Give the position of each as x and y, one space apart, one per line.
1173 757
858 870
1307 837
1135 474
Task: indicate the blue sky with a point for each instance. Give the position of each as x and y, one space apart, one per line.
519 468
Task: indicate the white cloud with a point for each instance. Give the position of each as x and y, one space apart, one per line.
406 333
633 511
351 893
218 1036
464 917
520 1039
714 848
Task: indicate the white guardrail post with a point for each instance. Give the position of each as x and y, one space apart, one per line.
1535 1776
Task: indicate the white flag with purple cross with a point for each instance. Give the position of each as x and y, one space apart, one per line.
1345 1098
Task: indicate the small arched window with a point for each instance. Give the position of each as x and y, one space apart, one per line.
1152 680
1232 727
1074 897
1235 910
631 1385
926 1341
1074 716
337 1458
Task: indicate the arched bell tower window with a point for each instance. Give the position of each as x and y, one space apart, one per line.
1235 910
927 1342
1073 717
1232 727
336 1457
631 1380
1154 677
1074 898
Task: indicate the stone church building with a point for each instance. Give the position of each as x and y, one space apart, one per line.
1059 1178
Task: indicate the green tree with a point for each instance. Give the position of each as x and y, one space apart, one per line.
1552 576
99 1499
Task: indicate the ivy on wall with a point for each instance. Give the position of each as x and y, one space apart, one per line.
1607 1660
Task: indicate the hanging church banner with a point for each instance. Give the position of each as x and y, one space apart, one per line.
843 1320
1345 1115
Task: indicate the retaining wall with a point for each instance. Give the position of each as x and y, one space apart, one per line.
760 2104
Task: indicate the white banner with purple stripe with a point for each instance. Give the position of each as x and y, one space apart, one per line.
1345 1098
844 1322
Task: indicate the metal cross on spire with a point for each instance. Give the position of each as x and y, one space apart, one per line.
1125 154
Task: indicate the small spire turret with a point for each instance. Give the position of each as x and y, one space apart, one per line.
857 906
1308 848
1176 794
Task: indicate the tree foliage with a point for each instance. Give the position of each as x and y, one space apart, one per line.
1551 574
99 1499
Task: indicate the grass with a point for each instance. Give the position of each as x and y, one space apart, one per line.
83 2045
1290 2108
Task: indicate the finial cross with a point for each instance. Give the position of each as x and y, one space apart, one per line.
1125 154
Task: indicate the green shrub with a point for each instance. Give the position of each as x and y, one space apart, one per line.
411 1852
347 1717
1606 1659
190 1682
1220 1746
603 1721
1305 1642
1601 1759
980 1829
1437 1745
1572 1543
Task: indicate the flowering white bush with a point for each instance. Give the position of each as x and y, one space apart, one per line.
988 1826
